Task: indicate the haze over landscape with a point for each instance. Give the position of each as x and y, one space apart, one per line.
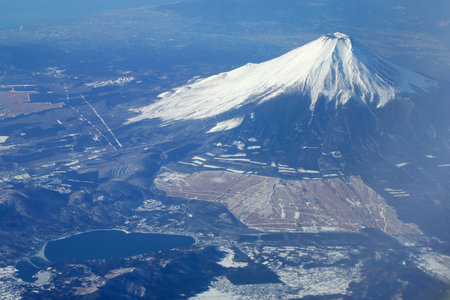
31 13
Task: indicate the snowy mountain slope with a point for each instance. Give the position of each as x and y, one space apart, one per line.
333 66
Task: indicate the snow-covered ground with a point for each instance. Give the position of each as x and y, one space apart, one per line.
226 125
320 281
118 81
297 281
333 66
42 277
228 260
215 294
10 287
434 264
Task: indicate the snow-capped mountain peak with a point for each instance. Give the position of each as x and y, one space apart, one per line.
334 67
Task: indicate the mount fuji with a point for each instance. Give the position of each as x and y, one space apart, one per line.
332 109
333 68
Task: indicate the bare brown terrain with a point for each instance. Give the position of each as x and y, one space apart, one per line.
14 103
273 205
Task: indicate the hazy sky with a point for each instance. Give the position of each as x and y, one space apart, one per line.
16 13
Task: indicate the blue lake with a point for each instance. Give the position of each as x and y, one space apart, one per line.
100 244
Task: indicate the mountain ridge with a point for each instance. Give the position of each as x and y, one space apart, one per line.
333 67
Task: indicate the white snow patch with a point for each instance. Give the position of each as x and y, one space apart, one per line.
393 190
11 288
253 147
215 294
228 260
333 66
232 159
330 175
72 163
320 281
42 277
212 167
7 272
309 171
118 81
233 155
434 264
286 171
239 145
336 154
397 192
198 158
22 176
227 125
235 171
240 160
7 147
402 164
